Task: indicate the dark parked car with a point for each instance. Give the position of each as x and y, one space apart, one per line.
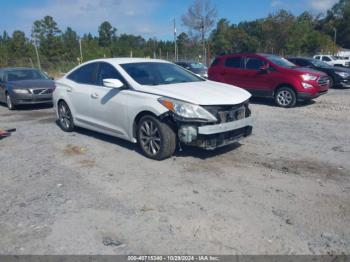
195 67
269 75
20 86
340 76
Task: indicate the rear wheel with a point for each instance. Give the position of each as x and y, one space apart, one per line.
157 139
65 117
285 97
9 102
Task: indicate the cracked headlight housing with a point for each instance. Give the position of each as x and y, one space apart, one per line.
187 110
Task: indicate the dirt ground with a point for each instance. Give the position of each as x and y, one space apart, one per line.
283 190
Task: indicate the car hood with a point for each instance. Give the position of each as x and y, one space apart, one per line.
33 84
342 69
201 93
303 70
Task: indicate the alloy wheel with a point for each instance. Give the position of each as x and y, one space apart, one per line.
65 116
284 98
150 138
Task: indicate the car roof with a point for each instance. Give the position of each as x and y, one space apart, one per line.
299 57
245 54
127 60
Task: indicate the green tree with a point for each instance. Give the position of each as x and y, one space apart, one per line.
46 33
338 17
70 45
19 45
106 34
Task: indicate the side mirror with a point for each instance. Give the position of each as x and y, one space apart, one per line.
264 68
112 83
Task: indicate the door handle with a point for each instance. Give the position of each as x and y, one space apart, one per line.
69 90
94 95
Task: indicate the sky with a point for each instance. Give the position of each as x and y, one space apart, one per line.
149 18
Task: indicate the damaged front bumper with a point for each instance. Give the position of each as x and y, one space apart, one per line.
213 136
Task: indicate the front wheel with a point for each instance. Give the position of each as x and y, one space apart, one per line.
285 97
157 139
9 102
65 118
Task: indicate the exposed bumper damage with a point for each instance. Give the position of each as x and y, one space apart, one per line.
234 123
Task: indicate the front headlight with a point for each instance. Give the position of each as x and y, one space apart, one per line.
308 77
343 74
187 110
21 91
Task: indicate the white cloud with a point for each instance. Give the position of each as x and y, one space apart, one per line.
321 5
128 16
276 3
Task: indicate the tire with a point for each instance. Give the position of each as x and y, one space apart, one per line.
65 118
157 140
285 97
9 102
331 83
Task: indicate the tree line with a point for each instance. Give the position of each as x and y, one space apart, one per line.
280 33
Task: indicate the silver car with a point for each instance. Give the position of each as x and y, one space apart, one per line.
19 86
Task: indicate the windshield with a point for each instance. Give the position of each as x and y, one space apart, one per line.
150 73
25 74
319 63
280 61
197 66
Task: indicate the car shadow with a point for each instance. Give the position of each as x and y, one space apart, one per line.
106 138
271 102
185 151
30 107
190 151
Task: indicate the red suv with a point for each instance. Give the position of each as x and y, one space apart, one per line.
269 76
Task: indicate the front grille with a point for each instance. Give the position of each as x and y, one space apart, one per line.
42 91
229 113
323 81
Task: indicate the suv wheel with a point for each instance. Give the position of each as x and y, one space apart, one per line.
157 139
65 118
285 97
9 102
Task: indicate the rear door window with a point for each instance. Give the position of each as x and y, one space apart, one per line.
233 62
325 58
85 74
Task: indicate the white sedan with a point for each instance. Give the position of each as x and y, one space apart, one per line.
152 102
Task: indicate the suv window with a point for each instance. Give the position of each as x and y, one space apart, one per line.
253 63
317 57
215 62
85 74
233 62
108 71
325 58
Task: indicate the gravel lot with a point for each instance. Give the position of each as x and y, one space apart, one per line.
283 190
